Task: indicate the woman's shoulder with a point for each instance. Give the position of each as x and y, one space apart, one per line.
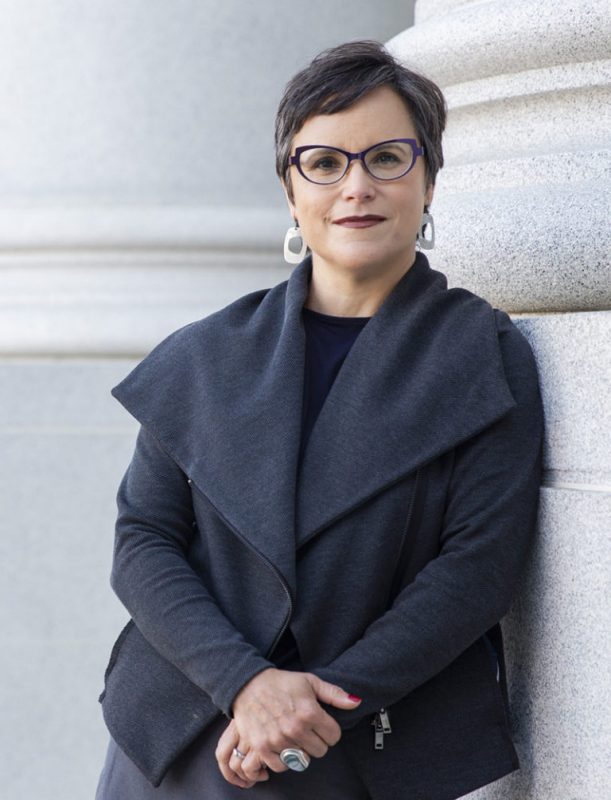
519 364
483 322
508 332
517 359
465 303
204 336
232 318
190 355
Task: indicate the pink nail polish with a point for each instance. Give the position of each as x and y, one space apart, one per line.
354 698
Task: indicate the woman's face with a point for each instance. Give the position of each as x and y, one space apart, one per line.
386 245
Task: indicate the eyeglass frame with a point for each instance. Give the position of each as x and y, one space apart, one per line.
295 160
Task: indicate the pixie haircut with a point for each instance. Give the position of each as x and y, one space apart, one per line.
337 78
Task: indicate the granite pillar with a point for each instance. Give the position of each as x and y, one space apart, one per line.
522 218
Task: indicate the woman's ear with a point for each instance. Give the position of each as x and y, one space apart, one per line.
289 201
428 196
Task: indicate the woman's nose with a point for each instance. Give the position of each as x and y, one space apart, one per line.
357 182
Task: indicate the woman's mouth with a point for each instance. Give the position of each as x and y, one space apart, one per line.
366 221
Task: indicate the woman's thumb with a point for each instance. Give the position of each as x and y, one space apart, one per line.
333 695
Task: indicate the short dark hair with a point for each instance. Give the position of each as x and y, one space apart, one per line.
340 76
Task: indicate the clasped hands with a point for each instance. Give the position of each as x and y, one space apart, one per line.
274 710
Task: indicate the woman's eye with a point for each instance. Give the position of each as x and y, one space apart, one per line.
326 163
387 158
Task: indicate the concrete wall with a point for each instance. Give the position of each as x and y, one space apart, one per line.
137 193
64 444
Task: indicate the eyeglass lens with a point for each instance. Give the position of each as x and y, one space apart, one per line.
386 161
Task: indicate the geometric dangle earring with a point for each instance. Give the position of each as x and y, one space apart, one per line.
291 256
427 226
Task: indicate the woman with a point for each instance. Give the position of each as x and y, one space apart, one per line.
332 494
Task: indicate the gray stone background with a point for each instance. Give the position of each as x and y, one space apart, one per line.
121 219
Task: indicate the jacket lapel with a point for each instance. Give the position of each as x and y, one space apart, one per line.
423 375
249 467
224 396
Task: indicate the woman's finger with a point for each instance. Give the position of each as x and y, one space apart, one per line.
312 743
272 759
224 754
235 765
253 769
332 694
233 778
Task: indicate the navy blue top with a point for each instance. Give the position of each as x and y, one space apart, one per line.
328 340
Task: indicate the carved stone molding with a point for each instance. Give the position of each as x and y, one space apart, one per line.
522 205
114 281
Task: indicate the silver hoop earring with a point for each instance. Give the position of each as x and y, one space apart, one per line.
422 241
290 256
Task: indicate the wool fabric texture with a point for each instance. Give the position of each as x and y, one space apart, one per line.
390 554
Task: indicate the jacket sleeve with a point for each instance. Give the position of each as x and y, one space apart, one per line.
489 521
167 600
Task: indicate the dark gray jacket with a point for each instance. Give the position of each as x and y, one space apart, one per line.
390 555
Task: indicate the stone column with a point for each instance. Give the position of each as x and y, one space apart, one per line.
522 216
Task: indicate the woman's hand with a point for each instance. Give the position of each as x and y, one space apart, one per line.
278 709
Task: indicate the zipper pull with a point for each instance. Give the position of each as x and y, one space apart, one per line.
378 735
381 725
385 720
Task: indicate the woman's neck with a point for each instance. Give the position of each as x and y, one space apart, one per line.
345 294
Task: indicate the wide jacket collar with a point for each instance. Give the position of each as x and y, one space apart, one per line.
223 396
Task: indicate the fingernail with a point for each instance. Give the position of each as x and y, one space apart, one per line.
354 698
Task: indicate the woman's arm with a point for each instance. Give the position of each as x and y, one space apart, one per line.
488 524
165 597
174 611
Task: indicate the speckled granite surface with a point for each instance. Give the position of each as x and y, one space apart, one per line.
522 218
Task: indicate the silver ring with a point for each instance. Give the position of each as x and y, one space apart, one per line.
238 753
295 759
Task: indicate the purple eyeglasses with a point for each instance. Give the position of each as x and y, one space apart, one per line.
385 161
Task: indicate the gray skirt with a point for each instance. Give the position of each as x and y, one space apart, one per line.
195 776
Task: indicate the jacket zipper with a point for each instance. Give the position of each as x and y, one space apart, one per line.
381 728
396 584
381 719
263 558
